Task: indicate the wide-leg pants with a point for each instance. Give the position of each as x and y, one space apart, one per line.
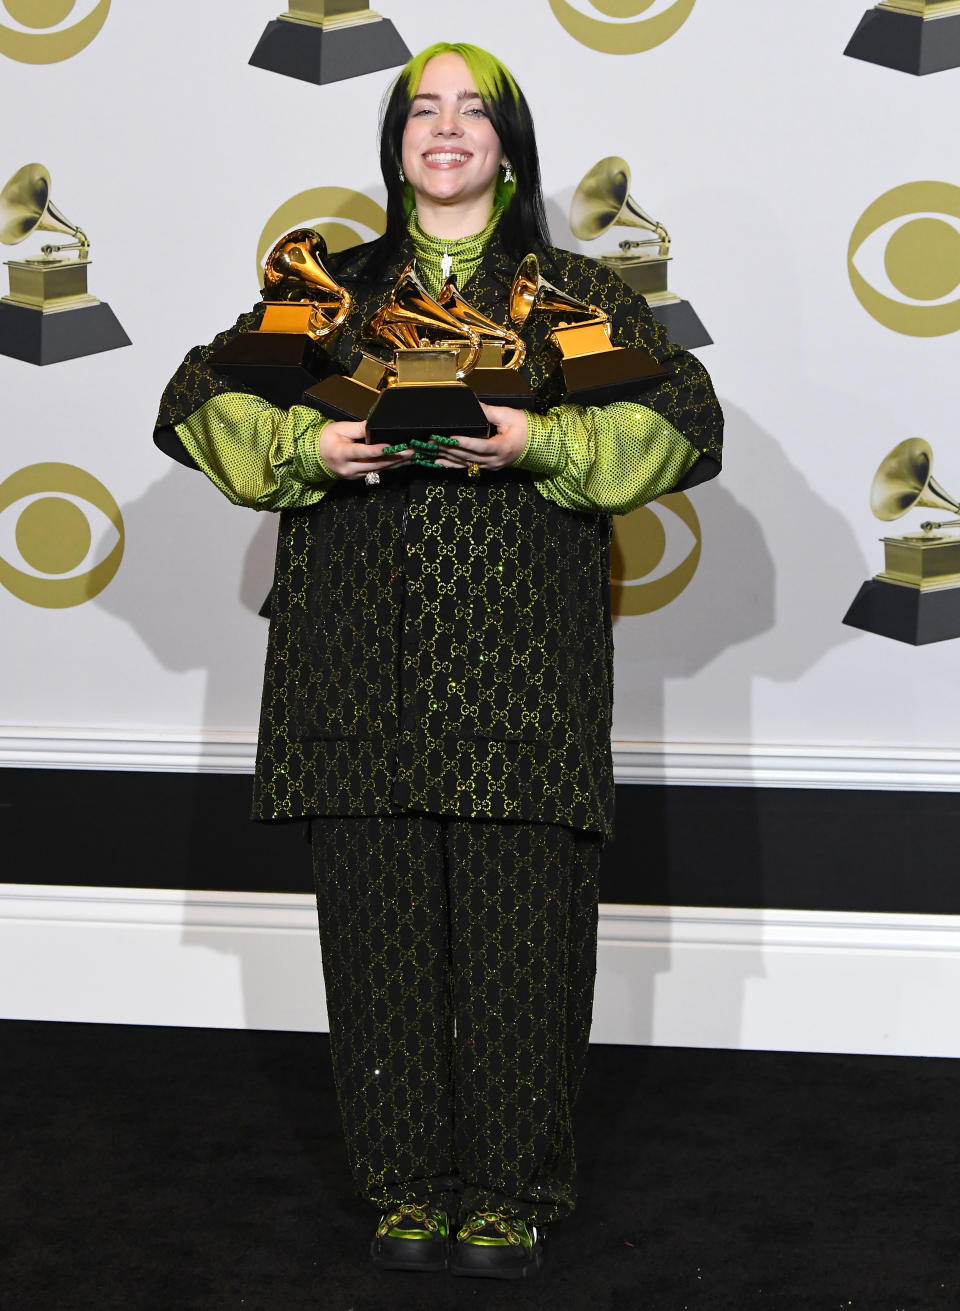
459 960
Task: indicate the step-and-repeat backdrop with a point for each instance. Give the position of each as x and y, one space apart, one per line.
813 204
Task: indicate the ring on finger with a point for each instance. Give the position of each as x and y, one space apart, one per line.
473 470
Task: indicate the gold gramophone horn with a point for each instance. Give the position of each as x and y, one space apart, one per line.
25 206
411 318
904 480
531 291
452 300
603 200
294 271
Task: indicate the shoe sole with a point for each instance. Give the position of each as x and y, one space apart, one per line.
396 1261
479 1271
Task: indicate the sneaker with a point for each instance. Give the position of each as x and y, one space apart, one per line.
492 1245
411 1237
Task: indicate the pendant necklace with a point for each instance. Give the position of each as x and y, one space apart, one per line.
446 264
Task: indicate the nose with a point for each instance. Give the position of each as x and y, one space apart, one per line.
447 123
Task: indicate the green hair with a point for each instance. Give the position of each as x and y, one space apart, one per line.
492 80
523 224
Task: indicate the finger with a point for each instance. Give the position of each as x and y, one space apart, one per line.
471 447
498 415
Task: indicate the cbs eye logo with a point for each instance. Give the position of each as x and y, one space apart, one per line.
343 218
622 37
33 42
654 555
919 259
67 531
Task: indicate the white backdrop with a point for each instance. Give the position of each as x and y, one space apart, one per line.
756 142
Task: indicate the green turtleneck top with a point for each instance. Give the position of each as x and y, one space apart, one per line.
609 458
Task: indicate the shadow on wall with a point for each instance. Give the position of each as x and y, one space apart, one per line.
756 609
188 562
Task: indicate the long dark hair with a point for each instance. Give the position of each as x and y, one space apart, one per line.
523 225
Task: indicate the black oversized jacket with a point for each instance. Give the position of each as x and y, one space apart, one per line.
444 644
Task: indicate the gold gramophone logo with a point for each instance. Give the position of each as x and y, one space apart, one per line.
41 37
627 26
654 555
66 530
341 216
49 315
916 597
602 201
911 237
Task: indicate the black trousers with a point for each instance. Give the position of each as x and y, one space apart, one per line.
459 959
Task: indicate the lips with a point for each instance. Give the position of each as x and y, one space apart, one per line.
445 158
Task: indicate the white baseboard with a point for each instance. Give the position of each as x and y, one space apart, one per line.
670 976
923 769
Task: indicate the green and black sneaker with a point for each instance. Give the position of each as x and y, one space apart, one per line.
411 1237
491 1245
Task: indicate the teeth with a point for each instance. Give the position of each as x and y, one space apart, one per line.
447 157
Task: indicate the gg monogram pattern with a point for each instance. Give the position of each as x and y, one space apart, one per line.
430 926
444 644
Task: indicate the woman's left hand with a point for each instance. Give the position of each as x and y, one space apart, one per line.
504 446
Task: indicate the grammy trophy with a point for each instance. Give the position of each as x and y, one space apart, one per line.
916 598
595 371
303 307
328 40
48 314
602 201
911 36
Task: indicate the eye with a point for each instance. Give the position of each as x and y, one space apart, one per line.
904 259
61 535
41 34
622 27
654 555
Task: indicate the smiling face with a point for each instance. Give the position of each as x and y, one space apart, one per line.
450 150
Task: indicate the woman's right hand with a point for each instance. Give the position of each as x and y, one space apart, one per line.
342 448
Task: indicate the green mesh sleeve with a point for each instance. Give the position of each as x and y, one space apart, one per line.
259 456
610 458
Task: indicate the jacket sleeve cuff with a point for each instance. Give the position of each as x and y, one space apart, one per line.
312 468
544 452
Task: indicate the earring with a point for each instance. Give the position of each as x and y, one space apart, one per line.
507 171
401 174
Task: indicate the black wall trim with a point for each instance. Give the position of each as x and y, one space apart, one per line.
803 849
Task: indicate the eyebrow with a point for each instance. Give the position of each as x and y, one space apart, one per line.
461 95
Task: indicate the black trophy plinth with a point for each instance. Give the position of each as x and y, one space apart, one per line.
321 55
682 324
500 387
38 338
279 366
340 397
447 409
906 614
907 42
600 378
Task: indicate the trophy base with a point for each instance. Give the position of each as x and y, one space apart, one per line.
906 614
500 387
906 42
341 398
279 366
447 409
604 376
38 338
318 55
681 323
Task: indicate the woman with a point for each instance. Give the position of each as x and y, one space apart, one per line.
437 696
